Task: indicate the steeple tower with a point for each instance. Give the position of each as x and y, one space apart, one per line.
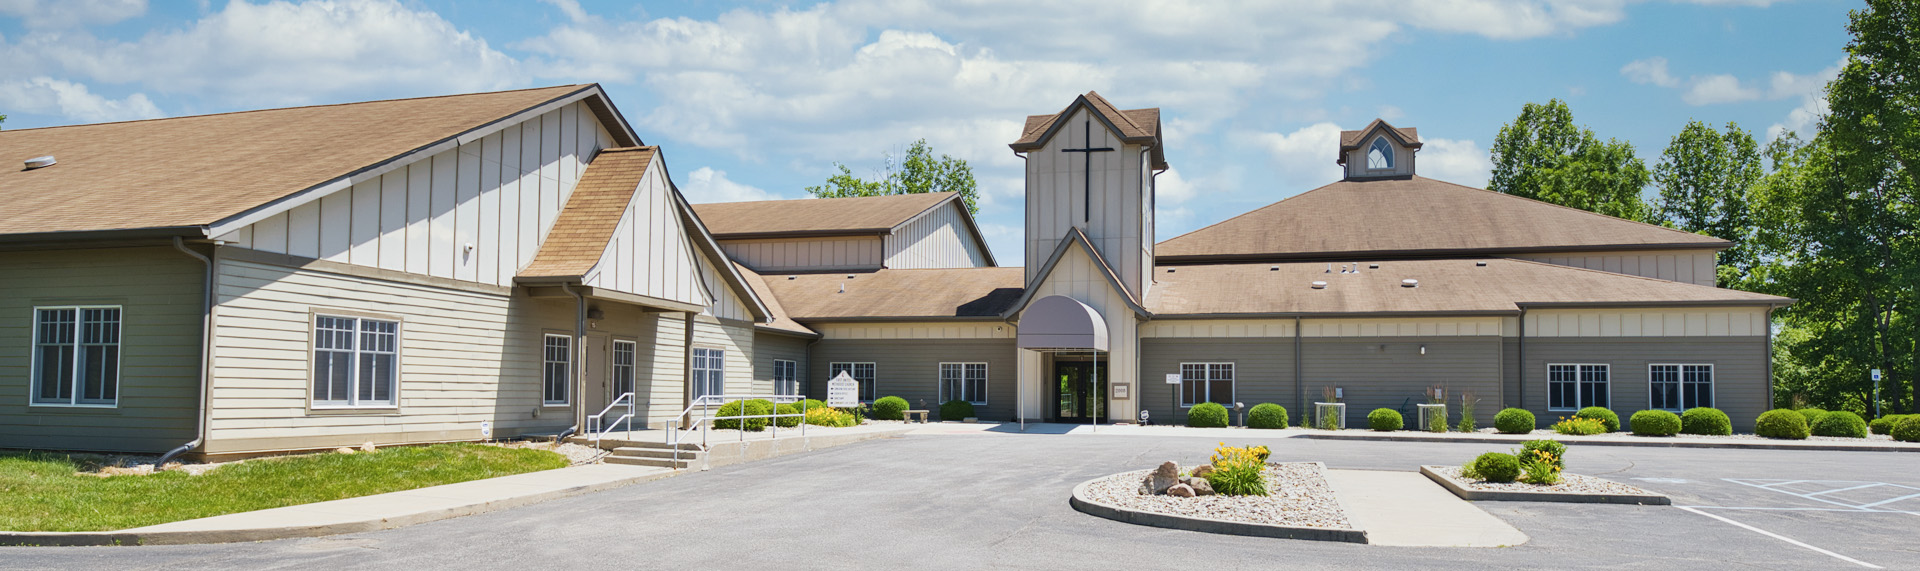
1091 167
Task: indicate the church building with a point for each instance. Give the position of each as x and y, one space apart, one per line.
505 264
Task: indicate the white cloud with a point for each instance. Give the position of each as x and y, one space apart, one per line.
705 185
1714 89
1458 161
1812 91
1305 156
1652 70
1170 189
70 13
48 96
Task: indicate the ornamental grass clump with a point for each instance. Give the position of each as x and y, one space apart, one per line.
1606 417
1707 421
1840 423
1385 420
1466 413
1238 471
1654 423
1580 426
1513 421
1267 415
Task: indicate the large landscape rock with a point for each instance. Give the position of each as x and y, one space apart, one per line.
1164 477
1200 487
1181 491
1203 470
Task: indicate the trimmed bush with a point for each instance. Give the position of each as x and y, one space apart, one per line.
1654 423
1385 420
1703 420
1840 423
1207 415
1267 415
1513 421
810 404
832 417
1811 414
890 408
1606 417
786 421
1781 423
753 407
1884 424
1554 447
956 409
1497 467
1907 429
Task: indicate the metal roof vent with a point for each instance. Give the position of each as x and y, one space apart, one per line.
1273 268
791 278
1373 266
40 162
1170 270
1409 282
1479 264
1319 285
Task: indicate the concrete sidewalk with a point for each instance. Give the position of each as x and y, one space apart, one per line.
365 513
1848 445
1407 509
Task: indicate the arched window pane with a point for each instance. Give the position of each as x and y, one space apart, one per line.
1380 155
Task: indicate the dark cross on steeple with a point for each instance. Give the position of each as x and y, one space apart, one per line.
1087 198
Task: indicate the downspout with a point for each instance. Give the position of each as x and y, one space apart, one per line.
1299 386
1770 401
1521 370
206 339
580 362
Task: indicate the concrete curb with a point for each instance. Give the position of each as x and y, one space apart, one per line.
1642 441
1486 496
1080 502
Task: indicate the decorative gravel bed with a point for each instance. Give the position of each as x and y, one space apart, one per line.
1297 496
1569 484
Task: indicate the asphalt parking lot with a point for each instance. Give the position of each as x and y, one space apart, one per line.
1000 501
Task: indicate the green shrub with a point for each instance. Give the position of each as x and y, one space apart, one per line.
1554 447
1654 423
1606 417
956 409
1781 423
1578 426
1385 420
1513 421
1207 415
1883 424
809 404
1497 467
1840 423
1267 415
890 408
786 421
1907 429
1812 415
1703 420
753 407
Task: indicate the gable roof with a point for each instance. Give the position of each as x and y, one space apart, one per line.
778 320
1350 140
580 234
1076 238
1415 216
1446 286
861 215
188 172
946 293
1135 126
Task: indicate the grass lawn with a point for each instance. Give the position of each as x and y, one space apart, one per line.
41 492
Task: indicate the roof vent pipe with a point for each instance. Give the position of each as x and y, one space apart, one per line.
1329 268
1409 283
40 162
1373 266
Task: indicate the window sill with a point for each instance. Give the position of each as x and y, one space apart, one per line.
353 411
73 408
554 405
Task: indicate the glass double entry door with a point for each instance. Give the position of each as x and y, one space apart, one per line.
1080 392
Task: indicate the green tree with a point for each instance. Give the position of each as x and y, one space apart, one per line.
1705 179
920 172
1542 155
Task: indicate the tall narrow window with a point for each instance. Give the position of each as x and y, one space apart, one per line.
76 356
556 364
622 369
1663 386
1206 382
963 381
355 361
1680 387
1573 387
709 372
862 372
786 377
1380 154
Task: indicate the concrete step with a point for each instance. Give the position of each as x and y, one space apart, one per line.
655 462
647 452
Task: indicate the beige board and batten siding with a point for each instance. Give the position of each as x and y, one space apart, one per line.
939 238
775 255
500 193
1696 267
1403 158
651 252
909 368
159 293
1078 277
1056 201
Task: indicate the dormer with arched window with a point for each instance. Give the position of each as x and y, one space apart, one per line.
1379 151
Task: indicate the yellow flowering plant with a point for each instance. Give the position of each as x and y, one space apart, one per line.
1238 470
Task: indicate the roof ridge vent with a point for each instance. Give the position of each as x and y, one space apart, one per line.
40 162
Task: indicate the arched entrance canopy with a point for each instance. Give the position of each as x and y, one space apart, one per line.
1061 323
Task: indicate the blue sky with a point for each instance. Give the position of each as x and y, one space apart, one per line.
755 100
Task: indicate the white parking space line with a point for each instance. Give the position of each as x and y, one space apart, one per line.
1869 485
1786 539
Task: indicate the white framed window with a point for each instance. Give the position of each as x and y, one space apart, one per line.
963 381
1679 387
786 377
556 366
76 356
1206 382
1575 386
709 372
863 372
622 369
355 362
1380 154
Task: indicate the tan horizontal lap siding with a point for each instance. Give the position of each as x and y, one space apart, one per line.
1390 372
910 369
1263 372
769 346
660 370
1739 371
737 340
158 290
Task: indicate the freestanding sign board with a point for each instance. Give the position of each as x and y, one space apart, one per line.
1173 378
843 391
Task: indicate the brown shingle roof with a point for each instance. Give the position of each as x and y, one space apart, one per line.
1445 286
921 293
1350 140
191 171
1138 126
1416 216
816 216
778 319
580 235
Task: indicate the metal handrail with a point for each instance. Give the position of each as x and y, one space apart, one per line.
593 422
705 422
